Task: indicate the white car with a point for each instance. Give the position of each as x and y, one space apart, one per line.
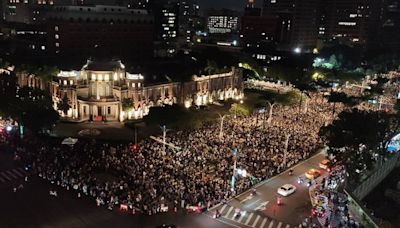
286 190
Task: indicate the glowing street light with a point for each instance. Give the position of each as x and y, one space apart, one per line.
297 50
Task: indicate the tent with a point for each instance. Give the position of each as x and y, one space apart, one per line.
69 141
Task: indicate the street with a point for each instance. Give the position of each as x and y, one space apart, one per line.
262 210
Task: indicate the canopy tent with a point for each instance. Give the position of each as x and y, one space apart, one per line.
69 141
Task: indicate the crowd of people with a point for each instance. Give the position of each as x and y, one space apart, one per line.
150 178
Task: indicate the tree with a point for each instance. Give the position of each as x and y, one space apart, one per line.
211 67
64 105
355 137
127 104
239 110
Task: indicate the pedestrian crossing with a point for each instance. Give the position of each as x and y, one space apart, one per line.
250 219
13 174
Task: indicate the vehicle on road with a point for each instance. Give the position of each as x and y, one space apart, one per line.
286 190
313 174
324 164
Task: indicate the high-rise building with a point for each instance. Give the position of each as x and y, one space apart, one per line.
351 21
222 21
298 19
114 30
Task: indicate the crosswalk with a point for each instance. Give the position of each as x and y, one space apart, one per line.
250 219
12 174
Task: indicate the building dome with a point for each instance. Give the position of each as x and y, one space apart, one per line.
104 65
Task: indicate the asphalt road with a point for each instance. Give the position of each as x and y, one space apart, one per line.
262 210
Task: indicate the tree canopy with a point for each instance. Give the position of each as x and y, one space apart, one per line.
356 137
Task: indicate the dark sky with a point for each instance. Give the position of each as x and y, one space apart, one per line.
229 4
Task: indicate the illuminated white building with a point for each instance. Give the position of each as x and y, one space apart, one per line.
99 90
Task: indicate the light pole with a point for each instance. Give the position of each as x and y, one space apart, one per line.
164 129
221 125
271 106
235 151
286 148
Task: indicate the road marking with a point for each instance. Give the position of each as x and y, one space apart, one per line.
255 221
4 175
287 226
241 217
271 224
248 219
262 206
227 223
2 180
250 204
222 209
279 225
229 211
263 223
18 173
249 197
11 174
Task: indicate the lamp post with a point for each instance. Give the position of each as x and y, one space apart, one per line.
286 148
271 106
235 151
222 117
164 129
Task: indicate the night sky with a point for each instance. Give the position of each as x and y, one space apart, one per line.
229 4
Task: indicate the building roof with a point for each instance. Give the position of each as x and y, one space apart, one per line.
103 65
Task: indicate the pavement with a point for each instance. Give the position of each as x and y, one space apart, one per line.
262 210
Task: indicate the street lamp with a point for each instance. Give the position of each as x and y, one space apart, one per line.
271 106
221 125
287 136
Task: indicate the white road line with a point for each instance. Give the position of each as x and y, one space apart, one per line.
2 180
222 209
271 224
18 173
11 174
250 204
241 218
4 175
279 225
287 226
229 211
263 222
255 221
227 223
248 219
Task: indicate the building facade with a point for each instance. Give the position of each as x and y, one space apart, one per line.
114 30
106 91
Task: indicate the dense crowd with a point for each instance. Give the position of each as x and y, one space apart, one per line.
199 174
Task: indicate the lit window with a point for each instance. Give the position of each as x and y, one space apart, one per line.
115 77
56 36
56 28
133 85
57 44
43 47
71 82
138 85
106 77
93 77
100 77
65 82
